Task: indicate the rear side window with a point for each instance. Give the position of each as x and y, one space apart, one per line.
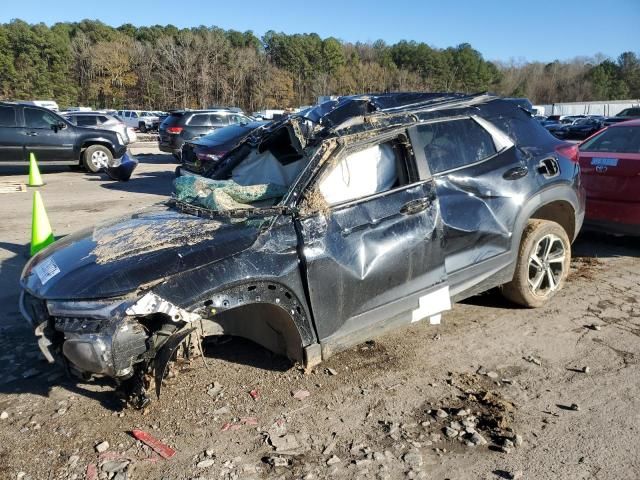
34 118
7 116
86 120
173 120
454 144
200 120
615 140
102 119
218 119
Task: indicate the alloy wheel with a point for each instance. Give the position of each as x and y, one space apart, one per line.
546 265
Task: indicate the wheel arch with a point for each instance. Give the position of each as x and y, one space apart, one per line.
560 212
265 312
97 141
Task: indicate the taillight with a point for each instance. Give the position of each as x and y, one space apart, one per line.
175 130
569 150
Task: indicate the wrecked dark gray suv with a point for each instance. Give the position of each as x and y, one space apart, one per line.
318 232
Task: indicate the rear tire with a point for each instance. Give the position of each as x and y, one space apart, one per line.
96 157
142 127
542 266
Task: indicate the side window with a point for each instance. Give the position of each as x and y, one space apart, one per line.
86 121
38 118
237 119
7 116
200 120
72 119
102 119
454 144
134 115
218 119
359 174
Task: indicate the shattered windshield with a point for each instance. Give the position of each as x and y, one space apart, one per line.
258 173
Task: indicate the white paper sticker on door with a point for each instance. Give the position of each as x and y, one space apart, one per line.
432 304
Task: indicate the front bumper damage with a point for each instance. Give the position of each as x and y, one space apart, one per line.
123 338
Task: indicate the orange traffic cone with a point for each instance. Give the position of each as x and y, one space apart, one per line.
41 233
35 180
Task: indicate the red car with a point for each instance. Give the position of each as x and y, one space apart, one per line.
610 164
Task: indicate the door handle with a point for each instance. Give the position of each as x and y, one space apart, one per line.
32 134
515 173
415 206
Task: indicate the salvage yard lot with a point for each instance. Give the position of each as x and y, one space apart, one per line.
373 411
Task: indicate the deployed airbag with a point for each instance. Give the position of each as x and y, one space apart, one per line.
360 174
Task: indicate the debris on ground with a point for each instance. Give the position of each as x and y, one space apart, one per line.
4 415
102 447
160 448
300 394
532 359
215 389
255 394
333 460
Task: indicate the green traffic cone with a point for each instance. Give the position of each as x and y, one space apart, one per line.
41 233
35 180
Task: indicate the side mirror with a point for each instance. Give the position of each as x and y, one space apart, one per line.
58 126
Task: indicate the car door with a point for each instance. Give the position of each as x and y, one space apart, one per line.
43 137
479 176
373 258
11 140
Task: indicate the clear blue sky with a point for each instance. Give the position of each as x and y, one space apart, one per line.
532 29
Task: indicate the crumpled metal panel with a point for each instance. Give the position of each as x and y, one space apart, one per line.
367 255
479 210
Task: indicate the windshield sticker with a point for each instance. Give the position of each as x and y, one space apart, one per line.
46 270
604 162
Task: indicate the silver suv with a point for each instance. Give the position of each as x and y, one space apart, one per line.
101 120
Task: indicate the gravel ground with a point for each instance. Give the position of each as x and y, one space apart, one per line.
493 392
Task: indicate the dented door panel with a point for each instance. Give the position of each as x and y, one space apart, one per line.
479 208
370 254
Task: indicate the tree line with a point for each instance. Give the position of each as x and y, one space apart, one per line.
163 67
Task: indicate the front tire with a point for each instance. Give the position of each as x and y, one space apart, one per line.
142 127
542 266
96 157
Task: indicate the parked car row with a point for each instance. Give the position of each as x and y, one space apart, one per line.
582 126
184 125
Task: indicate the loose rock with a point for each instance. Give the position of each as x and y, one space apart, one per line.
102 447
205 463
518 440
477 439
450 432
575 406
441 413
300 394
492 375
333 460
4 415
114 466
413 458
